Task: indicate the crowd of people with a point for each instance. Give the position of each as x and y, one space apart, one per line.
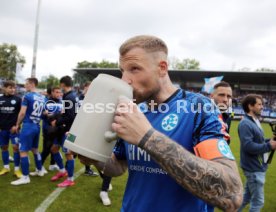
269 98
20 122
187 163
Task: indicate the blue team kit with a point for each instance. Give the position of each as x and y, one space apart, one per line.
146 177
29 135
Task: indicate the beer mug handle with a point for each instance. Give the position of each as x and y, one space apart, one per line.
110 136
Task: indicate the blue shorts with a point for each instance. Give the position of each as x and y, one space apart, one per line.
29 137
6 136
61 143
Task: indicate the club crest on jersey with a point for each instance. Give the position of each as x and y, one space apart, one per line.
224 149
13 102
169 122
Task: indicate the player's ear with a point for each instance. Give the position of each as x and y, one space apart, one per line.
163 68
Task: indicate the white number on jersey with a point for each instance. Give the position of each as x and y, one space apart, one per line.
38 108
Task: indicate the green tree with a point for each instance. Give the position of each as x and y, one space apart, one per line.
95 64
185 64
48 81
9 57
80 79
265 70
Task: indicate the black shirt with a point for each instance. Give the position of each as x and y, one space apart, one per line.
9 109
227 120
70 103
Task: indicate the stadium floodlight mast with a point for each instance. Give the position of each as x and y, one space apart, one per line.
33 74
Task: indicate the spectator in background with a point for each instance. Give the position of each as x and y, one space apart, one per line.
9 108
222 96
253 152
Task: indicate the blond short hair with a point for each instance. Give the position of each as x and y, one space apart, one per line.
147 42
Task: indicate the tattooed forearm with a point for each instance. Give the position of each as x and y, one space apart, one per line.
111 167
216 182
114 167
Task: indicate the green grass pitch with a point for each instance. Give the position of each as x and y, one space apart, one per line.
84 196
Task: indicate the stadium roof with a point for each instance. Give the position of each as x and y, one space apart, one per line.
193 78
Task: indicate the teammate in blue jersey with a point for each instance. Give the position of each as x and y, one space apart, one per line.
9 108
30 114
175 152
63 124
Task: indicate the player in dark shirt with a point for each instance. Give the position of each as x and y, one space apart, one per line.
9 108
63 124
53 109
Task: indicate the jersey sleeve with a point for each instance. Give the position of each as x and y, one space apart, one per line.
25 100
120 150
210 133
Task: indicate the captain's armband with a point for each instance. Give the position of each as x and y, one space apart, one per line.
213 148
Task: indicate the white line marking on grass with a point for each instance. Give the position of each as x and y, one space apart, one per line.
52 197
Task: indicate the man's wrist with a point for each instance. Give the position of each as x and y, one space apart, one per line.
269 145
145 138
272 145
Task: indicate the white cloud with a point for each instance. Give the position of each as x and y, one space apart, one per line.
220 34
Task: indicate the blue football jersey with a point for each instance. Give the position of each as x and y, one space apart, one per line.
54 106
187 118
35 105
